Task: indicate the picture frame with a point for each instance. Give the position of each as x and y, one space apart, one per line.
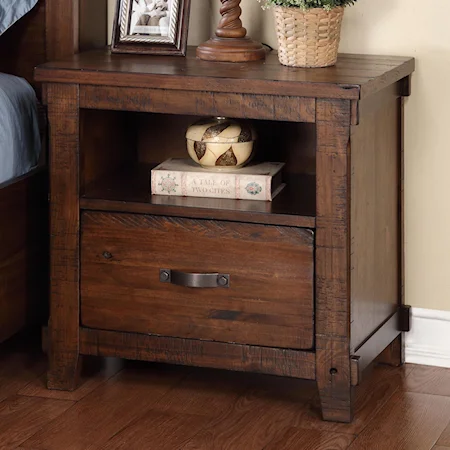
152 27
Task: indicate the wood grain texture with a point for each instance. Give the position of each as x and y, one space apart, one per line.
245 106
128 190
444 438
269 301
375 206
376 388
153 406
393 354
332 260
255 419
63 115
408 420
75 25
429 380
24 416
183 412
354 76
158 431
111 407
377 343
318 157
288 363
62 28
18 368
230 42
23 252
95 372
309 439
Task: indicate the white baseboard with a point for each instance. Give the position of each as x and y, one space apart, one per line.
428 342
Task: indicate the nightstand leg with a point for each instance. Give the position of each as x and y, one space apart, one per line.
332 269
333 381
337 408
64 125
394 354
64 371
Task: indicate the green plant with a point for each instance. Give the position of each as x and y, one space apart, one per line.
306 4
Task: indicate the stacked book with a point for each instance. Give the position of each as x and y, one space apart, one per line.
183 177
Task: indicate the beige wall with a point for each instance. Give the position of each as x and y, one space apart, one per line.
403 27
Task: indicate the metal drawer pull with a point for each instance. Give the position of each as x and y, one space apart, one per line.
194 280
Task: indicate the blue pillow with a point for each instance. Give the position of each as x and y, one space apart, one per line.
12 10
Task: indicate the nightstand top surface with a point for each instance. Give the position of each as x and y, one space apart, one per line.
353 77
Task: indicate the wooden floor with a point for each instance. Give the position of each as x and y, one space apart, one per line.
134 406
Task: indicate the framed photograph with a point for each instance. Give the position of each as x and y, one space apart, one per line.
155 27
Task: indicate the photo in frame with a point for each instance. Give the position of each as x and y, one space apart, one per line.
154 27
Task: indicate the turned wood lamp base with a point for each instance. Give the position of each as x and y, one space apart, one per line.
230 43
231 50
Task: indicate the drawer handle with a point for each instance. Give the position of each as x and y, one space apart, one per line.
194 280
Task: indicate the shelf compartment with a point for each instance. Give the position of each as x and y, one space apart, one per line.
128 190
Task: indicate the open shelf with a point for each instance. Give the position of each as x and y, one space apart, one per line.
128 190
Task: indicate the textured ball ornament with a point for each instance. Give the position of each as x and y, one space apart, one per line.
220 143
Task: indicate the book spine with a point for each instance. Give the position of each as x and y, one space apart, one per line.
213 185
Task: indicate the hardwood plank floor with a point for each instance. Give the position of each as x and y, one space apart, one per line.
141 406
444 440
408 421
21 417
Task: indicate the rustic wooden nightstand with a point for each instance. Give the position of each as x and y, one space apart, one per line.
315 277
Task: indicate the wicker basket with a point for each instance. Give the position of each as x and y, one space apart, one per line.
308 38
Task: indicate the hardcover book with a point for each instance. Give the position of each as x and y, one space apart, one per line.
182 177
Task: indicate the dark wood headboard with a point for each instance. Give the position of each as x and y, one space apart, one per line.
23 46
53 29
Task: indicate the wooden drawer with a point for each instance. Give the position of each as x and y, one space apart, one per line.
269 300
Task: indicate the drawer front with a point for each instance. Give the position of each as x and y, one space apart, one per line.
268 302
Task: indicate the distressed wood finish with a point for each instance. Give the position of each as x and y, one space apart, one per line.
322 307
192 352
147 406
375 259
332 260
127 191
354 76
269 301
63 114
248 106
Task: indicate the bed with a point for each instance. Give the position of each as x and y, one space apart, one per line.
49 30
23 176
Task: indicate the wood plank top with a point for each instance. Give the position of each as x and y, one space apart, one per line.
353 77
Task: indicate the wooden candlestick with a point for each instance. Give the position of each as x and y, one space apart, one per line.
230 43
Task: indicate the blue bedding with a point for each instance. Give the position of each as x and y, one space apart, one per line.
20 143
12 10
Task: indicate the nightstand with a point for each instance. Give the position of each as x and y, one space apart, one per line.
314 278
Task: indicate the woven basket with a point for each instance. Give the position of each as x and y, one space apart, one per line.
308 38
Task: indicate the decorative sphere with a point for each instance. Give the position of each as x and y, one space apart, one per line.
220 143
